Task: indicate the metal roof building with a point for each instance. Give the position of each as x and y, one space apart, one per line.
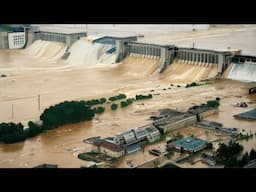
191 144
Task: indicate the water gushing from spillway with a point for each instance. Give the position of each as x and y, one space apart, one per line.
85 53
243 72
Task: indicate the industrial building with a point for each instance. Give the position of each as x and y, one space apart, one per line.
146 133
190 144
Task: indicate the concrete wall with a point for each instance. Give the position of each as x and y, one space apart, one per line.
167 53
68 39
163 52
4 40
205 57
30 36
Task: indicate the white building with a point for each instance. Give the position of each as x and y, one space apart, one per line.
16 40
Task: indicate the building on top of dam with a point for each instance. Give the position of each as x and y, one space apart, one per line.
21 36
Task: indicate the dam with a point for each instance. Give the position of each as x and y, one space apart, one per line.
196 62
107 65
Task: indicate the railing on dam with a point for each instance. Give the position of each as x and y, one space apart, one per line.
145 49
243 59
67 38
198 55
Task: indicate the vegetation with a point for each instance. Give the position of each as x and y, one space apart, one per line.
66 112
60 114
209 146
245 159
99 109
114 106
191 85
227 154
103 100
127 102
140 97
33 129
212 103
3 75
117 97
209 104
11 132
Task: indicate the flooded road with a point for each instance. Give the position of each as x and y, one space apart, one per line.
55 81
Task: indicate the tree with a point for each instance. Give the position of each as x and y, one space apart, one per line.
114 106
123 104
11 132
99 110
209 146
245 159
66 112
103 100
33 129
252 154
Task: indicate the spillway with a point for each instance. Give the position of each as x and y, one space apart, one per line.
46 49
179 71
85 53
243 72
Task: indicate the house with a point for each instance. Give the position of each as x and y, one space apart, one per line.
108 148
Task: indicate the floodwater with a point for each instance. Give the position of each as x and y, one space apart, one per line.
29 75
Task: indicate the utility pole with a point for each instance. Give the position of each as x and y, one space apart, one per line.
12 112
38 102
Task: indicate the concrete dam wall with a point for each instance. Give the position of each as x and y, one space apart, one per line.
178 63
67 38
4 40
164 53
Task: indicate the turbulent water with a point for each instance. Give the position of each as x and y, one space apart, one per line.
243 72
180 71
73 80
85 53
46 49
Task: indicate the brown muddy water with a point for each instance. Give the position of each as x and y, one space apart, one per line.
55 82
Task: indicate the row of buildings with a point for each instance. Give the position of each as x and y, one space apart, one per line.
169 120
127 142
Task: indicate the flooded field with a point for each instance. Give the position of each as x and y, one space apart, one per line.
30 75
